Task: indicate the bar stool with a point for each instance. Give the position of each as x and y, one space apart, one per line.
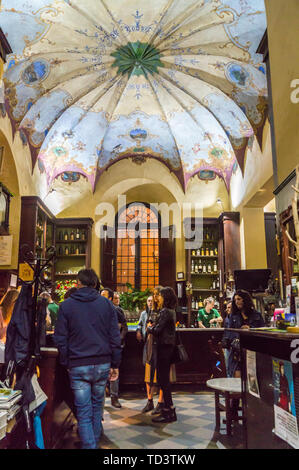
229 388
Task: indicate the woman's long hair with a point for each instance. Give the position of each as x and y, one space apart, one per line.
156 291
248 306
7 304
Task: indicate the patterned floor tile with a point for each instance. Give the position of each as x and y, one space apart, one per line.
128 428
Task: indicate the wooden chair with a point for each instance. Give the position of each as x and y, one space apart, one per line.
228 388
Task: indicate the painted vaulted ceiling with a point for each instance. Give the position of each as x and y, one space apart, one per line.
94 81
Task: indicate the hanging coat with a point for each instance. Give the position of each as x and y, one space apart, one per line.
17 347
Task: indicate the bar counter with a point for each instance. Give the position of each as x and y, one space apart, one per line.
259 410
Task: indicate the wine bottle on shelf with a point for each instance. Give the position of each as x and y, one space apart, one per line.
196 304
83 235
204 268
196 268
198 252
72 235
211 251
60 236
207 251
209 268
72 250
193 253
214 285
218 283
216 252
77 250
82 249
65 236
202 251
215 268
77 234
60 251
200 266
66 250
207 235
200 302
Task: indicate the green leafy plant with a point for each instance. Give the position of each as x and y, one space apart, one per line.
134 299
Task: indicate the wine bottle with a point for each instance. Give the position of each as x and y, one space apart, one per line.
207 251
77 250
72 236
209 268
83 235
215 267
216 252
66 236
204 268
196 268
200 303
200 266
60 251
211 251
193 253
218 284
66 250
198 252
202 251
192 266
60 235
82 249
77 234
196 304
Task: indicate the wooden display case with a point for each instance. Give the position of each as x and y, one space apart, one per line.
221 251
73 240
289 266
40 229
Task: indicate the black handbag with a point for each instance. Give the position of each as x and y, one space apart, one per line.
179 354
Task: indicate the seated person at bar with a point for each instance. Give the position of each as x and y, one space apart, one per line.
208 316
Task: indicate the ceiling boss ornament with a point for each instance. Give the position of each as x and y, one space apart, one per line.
137 58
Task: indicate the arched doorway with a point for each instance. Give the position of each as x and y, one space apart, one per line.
133 252
137 250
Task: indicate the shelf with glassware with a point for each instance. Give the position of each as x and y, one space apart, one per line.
73 239
203 270
37 230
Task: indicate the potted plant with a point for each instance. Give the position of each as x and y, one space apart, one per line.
133 300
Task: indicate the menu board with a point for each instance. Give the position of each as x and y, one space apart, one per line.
5 250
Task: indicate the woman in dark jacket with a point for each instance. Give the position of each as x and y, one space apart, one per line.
243 315
164 332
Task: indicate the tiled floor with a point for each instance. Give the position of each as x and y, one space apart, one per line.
128 428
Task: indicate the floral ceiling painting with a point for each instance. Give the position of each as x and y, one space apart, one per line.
93 81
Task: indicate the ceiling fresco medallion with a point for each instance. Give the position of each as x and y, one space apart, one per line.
91 82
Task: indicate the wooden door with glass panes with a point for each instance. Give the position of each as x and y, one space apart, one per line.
137 248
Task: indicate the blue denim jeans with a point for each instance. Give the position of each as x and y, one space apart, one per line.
88 385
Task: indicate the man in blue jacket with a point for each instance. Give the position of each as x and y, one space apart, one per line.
88 339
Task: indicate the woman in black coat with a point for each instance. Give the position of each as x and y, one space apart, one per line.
164 332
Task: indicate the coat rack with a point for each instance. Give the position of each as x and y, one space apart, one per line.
38 264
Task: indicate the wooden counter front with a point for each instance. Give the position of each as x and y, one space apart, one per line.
196 371
259 412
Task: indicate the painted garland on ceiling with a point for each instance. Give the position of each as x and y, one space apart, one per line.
91 82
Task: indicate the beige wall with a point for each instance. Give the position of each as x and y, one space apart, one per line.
252 237
8 176
283 34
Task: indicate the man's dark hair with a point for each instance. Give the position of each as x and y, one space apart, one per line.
169 297
88 278
110 292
